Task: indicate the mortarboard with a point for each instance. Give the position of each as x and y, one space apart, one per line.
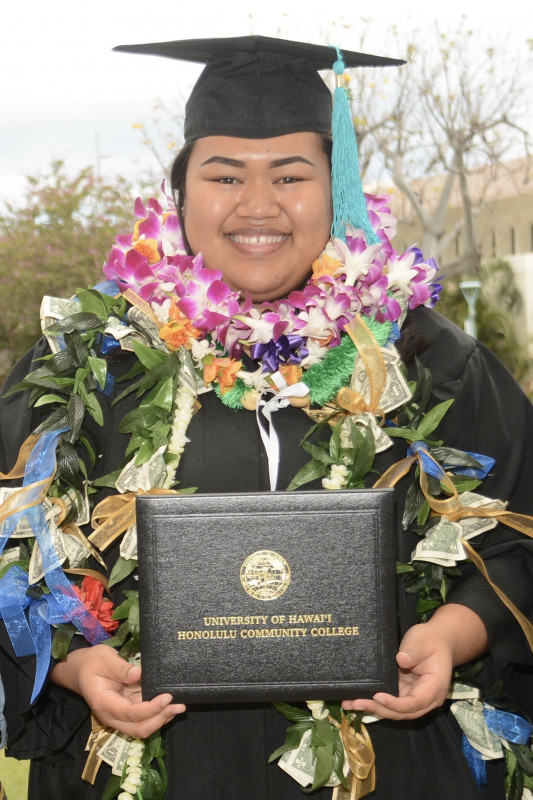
258 87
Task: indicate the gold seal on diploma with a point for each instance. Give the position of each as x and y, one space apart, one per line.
265 575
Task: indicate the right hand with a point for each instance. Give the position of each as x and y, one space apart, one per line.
112 689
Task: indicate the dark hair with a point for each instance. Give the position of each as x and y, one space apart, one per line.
178 176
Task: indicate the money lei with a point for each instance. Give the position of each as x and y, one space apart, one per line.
346 434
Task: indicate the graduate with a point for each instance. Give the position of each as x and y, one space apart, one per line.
265 274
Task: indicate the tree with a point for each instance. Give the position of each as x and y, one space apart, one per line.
456 105
55 241
498 304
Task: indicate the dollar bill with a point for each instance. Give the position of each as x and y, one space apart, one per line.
469 715
23 528
77 552
36 568
300 763
146 476
188 376
441 544
150 329
363 421
80 502
462 691
473 526
9 555
115 752
52 310
117 329
128 545
395 393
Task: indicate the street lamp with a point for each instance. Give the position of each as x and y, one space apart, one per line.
470 290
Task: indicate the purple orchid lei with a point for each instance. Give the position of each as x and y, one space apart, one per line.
215 322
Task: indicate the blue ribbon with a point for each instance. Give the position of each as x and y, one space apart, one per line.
475 762
67 606
288 349
429 465
508 726
504 724
29 635
486 463
111 288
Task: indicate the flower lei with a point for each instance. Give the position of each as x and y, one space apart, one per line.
190 333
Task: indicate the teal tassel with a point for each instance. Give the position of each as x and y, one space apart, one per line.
349 204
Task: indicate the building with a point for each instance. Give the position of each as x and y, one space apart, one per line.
503 198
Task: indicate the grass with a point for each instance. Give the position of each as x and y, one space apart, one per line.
14 777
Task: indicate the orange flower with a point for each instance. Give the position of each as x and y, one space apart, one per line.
179 330
148 248
291 372
91 594
325 265
221 370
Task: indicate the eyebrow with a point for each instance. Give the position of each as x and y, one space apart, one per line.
278 162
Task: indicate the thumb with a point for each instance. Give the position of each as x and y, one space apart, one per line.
405 659
132 673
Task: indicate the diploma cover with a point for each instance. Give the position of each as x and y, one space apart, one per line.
268 596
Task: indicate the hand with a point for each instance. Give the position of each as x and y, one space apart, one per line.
112 689
428 652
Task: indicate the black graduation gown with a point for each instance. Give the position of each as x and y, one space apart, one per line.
222 753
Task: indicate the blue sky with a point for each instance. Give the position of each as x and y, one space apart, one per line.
66 95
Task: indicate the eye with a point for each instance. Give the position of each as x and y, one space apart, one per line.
226 180
287 179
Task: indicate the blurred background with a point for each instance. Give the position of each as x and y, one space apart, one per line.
447 138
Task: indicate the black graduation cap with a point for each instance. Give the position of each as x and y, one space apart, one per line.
257 87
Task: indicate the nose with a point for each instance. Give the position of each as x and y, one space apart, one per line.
258 201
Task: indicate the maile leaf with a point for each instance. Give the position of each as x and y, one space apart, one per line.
293 737
432 419
293 713
309 472
112 787
148 357
99 369
82 321
123 567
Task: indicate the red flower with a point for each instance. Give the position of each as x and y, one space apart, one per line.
91 594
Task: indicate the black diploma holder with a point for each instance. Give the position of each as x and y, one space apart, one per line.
268 596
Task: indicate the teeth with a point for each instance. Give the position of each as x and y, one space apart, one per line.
257 240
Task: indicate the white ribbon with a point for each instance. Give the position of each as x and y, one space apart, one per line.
267 407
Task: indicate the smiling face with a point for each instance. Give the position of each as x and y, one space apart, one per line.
259 210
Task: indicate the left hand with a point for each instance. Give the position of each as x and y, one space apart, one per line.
428 652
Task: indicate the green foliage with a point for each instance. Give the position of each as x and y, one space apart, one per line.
53 242
497 306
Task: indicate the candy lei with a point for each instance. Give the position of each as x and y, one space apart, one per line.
191 333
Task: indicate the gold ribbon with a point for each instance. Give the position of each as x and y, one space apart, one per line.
375 368
91 573
142 305
361 759
22 458
115 514
97 739
110 518
75 531
348 402
24 498
452 509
